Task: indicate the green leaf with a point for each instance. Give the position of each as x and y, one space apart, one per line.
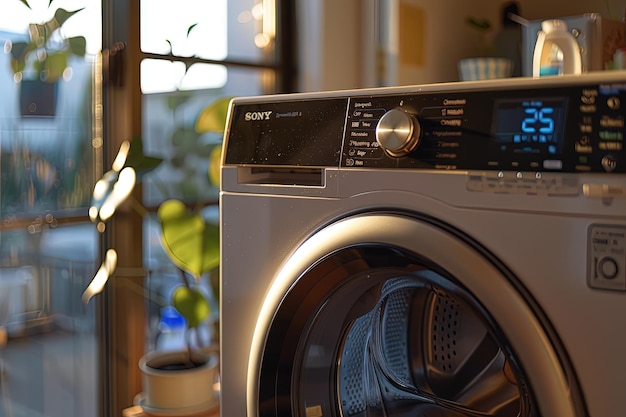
179 98
187 66
190 28
185 138
203 148
480 24
141 163
78 45
19 52
213 117
61 15
190 242
215 160
24 2
55 64
20 49
191 304
188 189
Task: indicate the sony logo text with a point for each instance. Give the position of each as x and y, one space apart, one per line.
257 115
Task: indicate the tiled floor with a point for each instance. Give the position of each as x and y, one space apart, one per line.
53 374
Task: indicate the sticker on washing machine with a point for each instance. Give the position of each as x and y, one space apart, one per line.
606 261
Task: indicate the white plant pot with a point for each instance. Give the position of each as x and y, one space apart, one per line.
178 391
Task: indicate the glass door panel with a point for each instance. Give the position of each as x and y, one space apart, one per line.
49 153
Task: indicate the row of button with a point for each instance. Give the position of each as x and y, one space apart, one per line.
523 183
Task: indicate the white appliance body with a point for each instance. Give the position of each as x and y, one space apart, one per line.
479 272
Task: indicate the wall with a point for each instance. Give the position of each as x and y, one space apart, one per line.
444 38
539 9
330 44
343 47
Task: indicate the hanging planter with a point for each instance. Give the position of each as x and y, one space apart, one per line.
38 98
40 61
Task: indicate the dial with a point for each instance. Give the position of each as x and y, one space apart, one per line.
608 268
609 163
398 132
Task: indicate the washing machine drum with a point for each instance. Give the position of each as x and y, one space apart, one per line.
387 323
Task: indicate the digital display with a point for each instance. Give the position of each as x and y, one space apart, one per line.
530 125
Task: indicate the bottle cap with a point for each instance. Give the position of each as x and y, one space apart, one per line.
171 318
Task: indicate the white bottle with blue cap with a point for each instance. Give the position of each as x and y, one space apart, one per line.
172 329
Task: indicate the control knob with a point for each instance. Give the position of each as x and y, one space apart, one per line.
398 132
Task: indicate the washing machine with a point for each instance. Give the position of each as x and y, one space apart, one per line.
456 249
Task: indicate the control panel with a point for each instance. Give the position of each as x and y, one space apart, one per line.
519 127
567 129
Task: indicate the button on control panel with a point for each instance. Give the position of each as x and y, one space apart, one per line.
528 183
606 261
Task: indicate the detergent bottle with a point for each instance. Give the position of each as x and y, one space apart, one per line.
556 50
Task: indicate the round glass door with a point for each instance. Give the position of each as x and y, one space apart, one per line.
379 327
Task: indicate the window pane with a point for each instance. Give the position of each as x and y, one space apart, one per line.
170 133
46 152
165 28
50 358
220 29
48 156
159 76
45 165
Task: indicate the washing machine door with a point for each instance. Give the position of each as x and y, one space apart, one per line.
385 314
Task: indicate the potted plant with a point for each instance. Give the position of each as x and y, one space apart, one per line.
172 380
39 62
497 57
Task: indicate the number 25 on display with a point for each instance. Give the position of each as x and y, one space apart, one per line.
538 118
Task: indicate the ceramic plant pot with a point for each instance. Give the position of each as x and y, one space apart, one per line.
171 385
472 69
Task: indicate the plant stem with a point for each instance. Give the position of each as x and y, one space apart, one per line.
184 278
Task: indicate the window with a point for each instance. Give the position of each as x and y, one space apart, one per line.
178 59
59 356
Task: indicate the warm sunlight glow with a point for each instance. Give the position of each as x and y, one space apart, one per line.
120 158
121 190
102 276
101 187
93 213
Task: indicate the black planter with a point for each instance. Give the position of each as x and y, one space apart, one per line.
38 98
